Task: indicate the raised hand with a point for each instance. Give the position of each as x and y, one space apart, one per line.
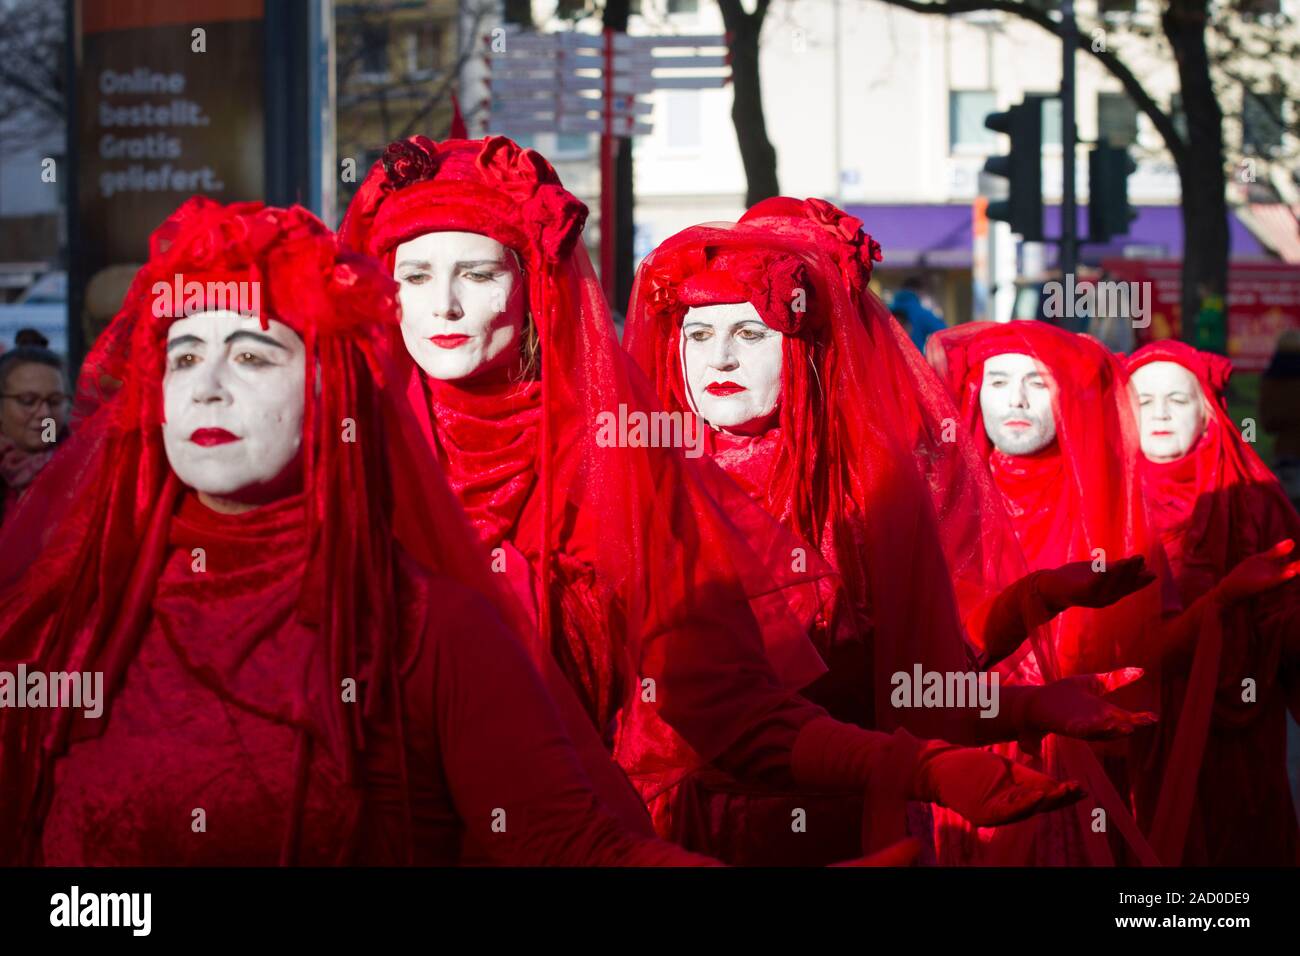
1073 707
985 788
1077 585
1259 573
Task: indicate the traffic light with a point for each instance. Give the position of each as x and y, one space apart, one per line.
1109 213
1022 168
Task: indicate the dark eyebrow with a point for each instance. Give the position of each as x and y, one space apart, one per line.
256 336
184 340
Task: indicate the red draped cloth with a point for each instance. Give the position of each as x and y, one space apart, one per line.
225 674
1214 507
319 692
641 563
1076 500
859 463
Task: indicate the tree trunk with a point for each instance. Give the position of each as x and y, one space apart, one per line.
756 151
1205 206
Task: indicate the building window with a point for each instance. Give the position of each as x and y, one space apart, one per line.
1261 122
1117 119
424 50
373 65
684 122
1052 124
1108 7
967 110
683 6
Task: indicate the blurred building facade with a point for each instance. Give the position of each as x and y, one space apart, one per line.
883 110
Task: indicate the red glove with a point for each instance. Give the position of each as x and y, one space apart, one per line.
1077 585
1037 598
985 788
1258 573
1073 707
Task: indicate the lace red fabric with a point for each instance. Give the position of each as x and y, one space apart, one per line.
1214 507
222 675
643 563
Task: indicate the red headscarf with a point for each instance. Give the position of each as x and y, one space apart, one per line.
1076 498
635 548
82 554
1214 507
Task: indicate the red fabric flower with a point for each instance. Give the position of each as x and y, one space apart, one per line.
408 161
857 251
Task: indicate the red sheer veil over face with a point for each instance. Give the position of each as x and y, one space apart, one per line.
1214 507
81 556
670 539
869 467
1079 498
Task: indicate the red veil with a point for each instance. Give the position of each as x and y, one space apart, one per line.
865 461
648 563
1075 497
81 555
1214 507
862 467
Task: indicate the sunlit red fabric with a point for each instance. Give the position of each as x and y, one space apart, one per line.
864 462
643 563
1214 507
1078 499
250 656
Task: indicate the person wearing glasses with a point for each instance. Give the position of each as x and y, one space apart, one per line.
33 413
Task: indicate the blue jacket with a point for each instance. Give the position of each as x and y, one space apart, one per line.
923 321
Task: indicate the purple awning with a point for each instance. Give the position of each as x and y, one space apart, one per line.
918 235
939 236
1157 232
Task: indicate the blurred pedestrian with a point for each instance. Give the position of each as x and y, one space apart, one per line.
33 412
1279 411
912 313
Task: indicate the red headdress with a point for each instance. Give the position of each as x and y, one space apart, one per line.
668 538
82 554
1079 499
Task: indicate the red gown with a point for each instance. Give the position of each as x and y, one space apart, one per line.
207 716
1214 507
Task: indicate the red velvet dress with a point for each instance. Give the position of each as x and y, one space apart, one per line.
209 715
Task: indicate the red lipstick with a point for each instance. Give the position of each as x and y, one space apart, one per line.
212 436
723 388
449 341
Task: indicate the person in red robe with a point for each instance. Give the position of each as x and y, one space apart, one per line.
1058 426
675 606
1214 504
268 676
826 416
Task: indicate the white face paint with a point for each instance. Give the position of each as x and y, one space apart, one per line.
731 361
1016 402
462 300
233 403
1172 410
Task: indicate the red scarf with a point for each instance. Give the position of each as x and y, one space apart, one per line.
487 436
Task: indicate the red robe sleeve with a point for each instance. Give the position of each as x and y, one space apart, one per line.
514 776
